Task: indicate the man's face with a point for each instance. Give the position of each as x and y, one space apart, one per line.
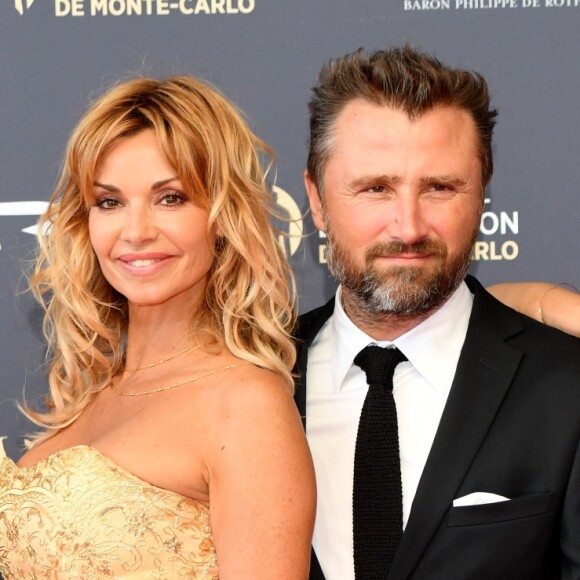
401 205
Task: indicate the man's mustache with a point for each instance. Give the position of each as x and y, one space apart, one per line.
380 249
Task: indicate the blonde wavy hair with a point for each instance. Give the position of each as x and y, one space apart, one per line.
250 292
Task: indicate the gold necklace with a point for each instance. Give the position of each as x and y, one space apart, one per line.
163 360
161 389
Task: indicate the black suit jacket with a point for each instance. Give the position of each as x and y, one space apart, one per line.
511 426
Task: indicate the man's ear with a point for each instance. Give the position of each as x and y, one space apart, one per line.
315 202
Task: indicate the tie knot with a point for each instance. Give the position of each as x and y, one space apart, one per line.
379 364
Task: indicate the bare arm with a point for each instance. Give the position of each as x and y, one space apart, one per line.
553 305
261 480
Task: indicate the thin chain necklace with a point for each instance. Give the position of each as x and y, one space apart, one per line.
161 389
163 360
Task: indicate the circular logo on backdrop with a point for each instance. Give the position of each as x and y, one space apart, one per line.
291 226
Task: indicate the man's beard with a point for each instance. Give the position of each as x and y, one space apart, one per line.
402 291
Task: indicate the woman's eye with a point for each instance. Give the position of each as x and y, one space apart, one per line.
107 203
173 198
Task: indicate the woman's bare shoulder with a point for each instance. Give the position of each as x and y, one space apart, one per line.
248 388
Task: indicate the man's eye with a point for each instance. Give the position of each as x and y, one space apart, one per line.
376 188
440 187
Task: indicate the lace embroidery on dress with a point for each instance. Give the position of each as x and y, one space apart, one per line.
76 514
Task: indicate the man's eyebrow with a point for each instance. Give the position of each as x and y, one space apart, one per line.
366 180
156 185
449 179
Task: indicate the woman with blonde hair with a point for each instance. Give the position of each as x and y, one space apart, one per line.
170 445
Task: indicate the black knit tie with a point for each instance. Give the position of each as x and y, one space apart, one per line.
377 492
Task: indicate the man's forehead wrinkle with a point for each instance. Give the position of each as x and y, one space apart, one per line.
392 145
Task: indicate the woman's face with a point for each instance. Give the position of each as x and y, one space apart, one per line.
150 239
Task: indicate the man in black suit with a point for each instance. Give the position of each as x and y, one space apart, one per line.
487 400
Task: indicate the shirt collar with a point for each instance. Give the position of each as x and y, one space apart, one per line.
433 347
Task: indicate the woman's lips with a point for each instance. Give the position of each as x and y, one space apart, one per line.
144 263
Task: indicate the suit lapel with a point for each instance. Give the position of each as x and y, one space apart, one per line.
485 371
309 326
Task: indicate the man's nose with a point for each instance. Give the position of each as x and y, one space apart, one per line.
408 222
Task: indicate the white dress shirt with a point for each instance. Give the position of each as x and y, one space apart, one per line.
336 390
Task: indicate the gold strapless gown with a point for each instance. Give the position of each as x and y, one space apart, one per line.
78 515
